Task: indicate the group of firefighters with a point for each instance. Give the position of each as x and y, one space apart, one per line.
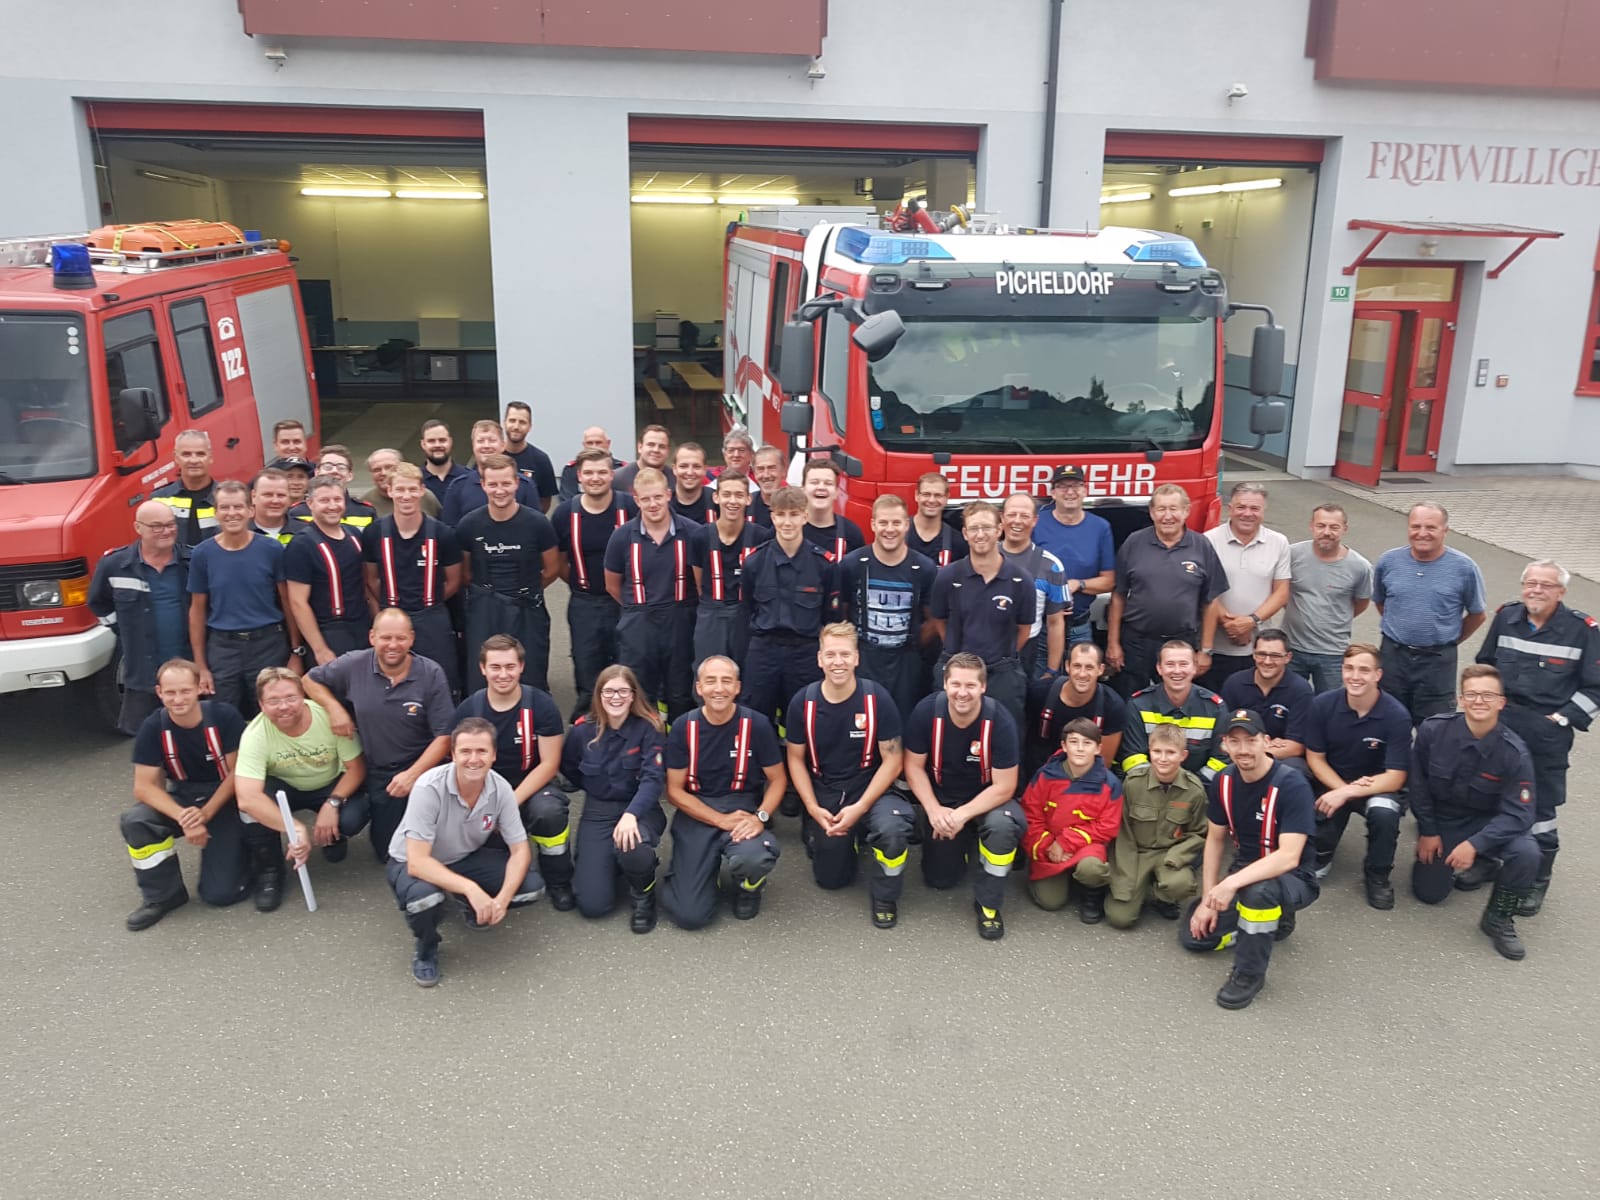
742 651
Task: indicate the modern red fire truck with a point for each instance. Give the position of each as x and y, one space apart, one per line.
111 342
991 354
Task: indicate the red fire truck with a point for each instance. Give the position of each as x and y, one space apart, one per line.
988 353
110 343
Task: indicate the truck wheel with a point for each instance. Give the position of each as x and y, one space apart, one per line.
100 694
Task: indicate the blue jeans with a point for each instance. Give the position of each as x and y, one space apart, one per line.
1323 670
1081 632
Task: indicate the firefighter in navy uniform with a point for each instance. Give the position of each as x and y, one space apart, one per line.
614 752
1472 791
527 732
725 777
414 564
719 551
326 574
1176 700
191 496
584 525
1266 810
844 756
648 574
883 592
1549 658
961 756
183 781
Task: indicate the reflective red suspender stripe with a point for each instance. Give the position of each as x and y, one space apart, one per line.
525 721
680 555
430 556
983 749
811 737
390 586
691 777
871 743
1225 794
577 551
716 568
1269 822
1044 720
937 750
335 584
214 741
838 549
741 748
636 562
169 749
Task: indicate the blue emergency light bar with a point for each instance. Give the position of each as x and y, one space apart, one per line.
70 266
1177 250
864 246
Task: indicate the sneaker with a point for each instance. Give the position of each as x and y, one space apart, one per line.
1285 928
1164 909
886 915
746 903
147 915
991 926
1380 892
425 968
1240 990
561 897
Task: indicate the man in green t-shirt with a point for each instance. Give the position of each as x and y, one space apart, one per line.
291 747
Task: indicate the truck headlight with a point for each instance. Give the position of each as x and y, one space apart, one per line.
41 593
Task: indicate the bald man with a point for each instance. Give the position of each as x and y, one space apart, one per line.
380 465
594 438
141 592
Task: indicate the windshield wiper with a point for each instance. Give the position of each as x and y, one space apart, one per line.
1002 441
9 479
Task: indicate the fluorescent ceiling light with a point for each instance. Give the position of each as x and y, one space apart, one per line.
1125 197
352 193
670 198
437 194
1211 189
758 201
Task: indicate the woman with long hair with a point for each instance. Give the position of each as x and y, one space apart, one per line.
613 753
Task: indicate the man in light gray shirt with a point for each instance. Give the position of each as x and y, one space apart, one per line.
1257 562
441 846
1330 586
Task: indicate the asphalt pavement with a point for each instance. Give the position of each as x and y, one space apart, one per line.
232 1053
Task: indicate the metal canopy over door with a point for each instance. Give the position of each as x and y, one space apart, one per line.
1368 389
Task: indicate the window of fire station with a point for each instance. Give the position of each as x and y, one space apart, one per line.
46 419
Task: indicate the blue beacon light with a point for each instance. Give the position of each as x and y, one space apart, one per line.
70 266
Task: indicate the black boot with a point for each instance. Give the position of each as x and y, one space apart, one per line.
269 866
1380 892
1092 905
1498 922
1534 900
1240 989
1482 871
643 918
147 914
561 896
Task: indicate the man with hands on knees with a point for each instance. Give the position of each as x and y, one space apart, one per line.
441 846
1265 810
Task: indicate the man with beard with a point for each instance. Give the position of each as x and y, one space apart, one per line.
533 464
439 469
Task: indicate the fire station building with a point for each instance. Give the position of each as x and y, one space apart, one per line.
529 195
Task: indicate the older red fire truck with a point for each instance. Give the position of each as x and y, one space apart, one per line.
991 354
110 343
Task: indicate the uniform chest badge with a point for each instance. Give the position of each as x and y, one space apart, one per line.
488 822
861 720
975 749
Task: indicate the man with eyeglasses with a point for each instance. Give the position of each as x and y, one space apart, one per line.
1472 792
1082 541
335 462
1549 659
1279 697
140 592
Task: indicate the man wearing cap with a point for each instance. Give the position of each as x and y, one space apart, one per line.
190 496
1168 580
297 472
1471 788
1267 812
1082 542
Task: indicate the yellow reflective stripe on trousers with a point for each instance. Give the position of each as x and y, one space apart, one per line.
891 866
1258 920
996 864
145 857
1134 760
1224 941
554 844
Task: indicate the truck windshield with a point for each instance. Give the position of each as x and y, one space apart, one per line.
46 422
1025 385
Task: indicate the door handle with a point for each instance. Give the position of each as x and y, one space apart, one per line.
231 443
1424 405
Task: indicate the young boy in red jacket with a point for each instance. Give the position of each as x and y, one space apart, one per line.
1074 809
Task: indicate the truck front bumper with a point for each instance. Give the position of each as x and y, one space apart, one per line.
29 663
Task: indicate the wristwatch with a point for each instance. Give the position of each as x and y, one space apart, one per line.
338 802
762 815
300 651
1559 719
1256 619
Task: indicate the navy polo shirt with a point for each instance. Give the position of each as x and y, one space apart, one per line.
583 536
1353 745
788 595
1257 825
620 766
835 540
241 586
713 761
1166 588
396 721
982 617
335 568
411 570
957 768
517 730
841 740
652 572
534 465
721 564
440 487
1282 710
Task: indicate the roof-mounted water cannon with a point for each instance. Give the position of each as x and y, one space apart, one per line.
912 216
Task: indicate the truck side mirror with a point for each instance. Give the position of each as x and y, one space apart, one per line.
878 334
134 418
1266 361
797 354
794 418
1268 417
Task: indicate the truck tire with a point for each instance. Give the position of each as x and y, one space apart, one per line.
100 695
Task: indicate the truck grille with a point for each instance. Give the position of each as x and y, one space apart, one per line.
12 578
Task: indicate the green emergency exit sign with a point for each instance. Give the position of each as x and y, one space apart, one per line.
1342 292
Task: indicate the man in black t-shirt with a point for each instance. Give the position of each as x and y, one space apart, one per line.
326 574
528 736
717 554
883 592
1266 810
183 760
511 558
1078 692
584 525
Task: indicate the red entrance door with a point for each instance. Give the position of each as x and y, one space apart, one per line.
1368 389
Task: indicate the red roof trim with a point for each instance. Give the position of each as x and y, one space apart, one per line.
811 135
1212 147
118 116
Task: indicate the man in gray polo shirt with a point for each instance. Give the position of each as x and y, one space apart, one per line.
401 704
443 846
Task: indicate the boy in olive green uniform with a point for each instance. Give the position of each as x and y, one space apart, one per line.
1163 832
